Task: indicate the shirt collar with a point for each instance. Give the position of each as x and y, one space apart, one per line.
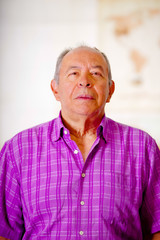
59 129
108 127
101 129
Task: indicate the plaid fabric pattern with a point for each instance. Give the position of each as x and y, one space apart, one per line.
48 192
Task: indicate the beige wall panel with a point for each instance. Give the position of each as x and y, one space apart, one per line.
129 33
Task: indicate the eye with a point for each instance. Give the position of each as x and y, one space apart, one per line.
96 73
73 73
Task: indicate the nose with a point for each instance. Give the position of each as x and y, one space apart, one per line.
84 85
85 82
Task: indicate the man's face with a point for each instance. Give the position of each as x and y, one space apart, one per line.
83 88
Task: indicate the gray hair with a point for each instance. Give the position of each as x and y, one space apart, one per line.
61 56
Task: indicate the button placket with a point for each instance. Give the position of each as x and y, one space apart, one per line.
82 203
81 233
75 151
83 175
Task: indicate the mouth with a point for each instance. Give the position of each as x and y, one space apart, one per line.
85 97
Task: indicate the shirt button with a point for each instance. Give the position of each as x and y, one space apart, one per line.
81 233
82 203
83 175
65 132
75 151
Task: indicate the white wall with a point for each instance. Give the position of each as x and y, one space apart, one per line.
34 32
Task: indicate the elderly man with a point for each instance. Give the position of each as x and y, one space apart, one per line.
81 175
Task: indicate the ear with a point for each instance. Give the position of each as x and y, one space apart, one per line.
111 90
55 89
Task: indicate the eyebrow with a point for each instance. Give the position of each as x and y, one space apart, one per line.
79 67
72 67
98 66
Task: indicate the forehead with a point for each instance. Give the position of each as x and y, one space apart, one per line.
83 56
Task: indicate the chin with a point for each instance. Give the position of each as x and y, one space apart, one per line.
86 113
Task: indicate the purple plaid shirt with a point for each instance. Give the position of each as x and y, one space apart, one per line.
48 192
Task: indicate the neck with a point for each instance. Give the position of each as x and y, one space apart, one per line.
82 125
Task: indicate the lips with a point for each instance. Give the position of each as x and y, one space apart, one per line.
85 97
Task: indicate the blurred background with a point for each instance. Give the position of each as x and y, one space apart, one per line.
34 32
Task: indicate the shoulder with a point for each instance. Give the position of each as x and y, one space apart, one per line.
117 127
30 136
27 144
129 135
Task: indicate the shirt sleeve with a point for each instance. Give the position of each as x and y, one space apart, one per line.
150 211
11 219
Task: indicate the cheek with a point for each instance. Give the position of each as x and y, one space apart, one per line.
70 89
103 91
65 91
